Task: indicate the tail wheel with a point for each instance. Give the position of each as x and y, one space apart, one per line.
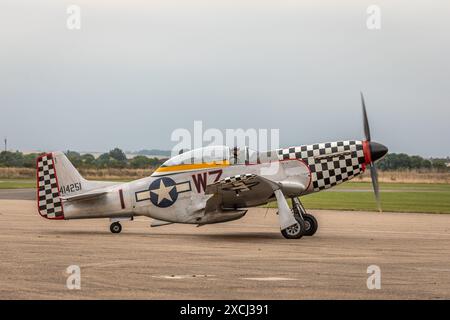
311 225
115 227
296 231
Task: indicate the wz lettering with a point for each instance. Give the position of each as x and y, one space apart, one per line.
201 179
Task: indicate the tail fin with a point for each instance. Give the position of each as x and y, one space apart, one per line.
56 176
48 197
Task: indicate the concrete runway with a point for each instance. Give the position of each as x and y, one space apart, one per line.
17 194
243 259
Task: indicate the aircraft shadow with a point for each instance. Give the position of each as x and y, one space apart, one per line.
234 236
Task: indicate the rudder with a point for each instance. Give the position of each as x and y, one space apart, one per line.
48 196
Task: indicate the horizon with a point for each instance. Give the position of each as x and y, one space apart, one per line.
140 152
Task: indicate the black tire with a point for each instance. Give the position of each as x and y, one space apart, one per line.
115 227
311 225
296 231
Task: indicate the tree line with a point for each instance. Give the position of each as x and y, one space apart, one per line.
116 158
402 161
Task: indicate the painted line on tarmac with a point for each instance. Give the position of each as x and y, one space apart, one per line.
184 276
270 279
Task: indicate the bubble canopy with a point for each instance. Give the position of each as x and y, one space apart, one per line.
211 154
219 155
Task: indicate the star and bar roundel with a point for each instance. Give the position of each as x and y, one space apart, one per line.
163 192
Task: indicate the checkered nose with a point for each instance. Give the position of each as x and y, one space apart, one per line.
377 150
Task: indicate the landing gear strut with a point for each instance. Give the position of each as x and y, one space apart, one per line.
295 222
310 221
295 231
115 227
306 223
290 226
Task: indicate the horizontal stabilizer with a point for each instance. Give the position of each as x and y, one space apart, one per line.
85 196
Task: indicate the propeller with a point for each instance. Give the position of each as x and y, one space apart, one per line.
375 152
366 121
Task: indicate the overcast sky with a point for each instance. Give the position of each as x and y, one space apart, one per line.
137 70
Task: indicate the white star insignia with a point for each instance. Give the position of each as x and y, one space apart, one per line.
163 192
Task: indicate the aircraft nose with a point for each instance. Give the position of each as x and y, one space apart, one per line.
377 150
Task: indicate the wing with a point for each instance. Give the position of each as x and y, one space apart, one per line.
291 177
241 191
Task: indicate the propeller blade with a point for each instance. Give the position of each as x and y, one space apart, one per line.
365 120
376 188
376 150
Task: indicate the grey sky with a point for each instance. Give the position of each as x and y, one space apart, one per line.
137 70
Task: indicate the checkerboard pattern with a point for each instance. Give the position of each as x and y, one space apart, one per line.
49 202
236 183
237 178
330 163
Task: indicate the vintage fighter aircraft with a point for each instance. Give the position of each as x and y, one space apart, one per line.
211 185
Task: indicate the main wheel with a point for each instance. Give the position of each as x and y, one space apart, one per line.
311 225
115 227
296 231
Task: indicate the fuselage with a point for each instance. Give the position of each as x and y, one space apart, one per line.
176 191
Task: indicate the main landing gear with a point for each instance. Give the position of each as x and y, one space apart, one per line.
306 223
115 227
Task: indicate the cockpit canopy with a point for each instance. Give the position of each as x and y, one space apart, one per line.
212 154
218 155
